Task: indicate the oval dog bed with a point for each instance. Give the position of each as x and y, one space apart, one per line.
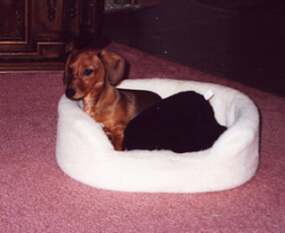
84 152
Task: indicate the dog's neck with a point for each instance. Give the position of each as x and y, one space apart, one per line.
100 100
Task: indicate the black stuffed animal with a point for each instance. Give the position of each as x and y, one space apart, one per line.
183 122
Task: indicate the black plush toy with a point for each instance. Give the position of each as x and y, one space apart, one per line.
183 122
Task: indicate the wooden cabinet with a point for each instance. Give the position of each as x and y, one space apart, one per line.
37 34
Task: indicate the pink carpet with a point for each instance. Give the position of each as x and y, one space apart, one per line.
35 195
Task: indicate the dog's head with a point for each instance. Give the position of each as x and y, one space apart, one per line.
90 70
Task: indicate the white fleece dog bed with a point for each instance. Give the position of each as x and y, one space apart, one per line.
84 152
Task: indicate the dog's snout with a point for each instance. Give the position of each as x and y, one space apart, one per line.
69 93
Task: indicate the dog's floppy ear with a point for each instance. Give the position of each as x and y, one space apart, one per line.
114 64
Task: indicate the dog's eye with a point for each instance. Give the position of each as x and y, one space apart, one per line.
87 72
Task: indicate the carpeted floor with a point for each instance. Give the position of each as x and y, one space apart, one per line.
35 196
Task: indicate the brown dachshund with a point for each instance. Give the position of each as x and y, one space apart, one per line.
91 75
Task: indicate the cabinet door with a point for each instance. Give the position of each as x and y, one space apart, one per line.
13 34
36 34
32 29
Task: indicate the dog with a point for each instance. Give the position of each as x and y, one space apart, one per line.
183 122
91 75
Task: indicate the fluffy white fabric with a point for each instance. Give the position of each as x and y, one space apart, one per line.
84 152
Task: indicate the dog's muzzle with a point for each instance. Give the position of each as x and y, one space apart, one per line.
69 93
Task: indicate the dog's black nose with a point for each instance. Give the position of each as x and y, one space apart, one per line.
69 93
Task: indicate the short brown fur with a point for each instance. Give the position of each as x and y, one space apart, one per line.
91 75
